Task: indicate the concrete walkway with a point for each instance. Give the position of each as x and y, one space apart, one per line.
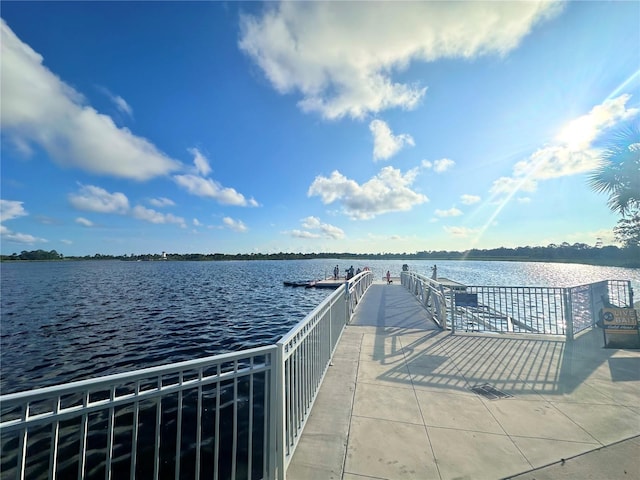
397 404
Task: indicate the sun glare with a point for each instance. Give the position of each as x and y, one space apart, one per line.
577 134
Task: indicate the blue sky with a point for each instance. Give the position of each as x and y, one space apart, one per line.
309 127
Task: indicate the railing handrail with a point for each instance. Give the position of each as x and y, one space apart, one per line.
293 331
426 289
131 376
533 309
304 355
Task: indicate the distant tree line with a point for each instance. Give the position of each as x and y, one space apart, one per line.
628 256
34 255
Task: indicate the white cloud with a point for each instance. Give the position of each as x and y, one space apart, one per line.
84 222
196 223
24 238
119 102
235 225
200 161
206 187
197 184
38 107
572 153
388 191
452 212
10 209
523 200
467 199
95 199
311 222
326 230
303 234
385 143
439 166
443 165
122 105
152 216
556 161
161 202
580 133
341 56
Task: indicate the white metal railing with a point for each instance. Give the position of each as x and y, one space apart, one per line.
210 416
237 415
500 309
430 293
306 353
586 301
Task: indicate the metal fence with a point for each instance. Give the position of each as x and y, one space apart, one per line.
306 353
230 416
586 301
201 418
536 310
430 293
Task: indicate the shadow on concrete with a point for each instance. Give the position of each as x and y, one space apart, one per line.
518 364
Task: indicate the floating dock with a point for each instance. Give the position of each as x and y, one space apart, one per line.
451 284
326 283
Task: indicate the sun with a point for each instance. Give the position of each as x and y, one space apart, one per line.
578 134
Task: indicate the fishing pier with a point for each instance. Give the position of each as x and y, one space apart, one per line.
412 379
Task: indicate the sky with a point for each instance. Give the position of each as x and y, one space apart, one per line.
363 127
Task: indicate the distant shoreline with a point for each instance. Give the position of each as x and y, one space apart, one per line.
604 257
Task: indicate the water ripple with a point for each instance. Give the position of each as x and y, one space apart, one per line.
63 321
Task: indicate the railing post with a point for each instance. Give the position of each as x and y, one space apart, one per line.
452 307
444 309
592 307
568 313
347 302
278 420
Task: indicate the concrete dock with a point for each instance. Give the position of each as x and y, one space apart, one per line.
397 403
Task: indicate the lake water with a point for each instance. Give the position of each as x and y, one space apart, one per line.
63 321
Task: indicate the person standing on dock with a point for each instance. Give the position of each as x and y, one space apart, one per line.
336 272
349 272
388 277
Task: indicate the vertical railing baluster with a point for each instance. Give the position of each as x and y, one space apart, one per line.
199 423
234 443
84 432
22 444
55 432
268 422
250 438
280 409
297 386
136 428
216 427
110 428
309 379
156 447
179 426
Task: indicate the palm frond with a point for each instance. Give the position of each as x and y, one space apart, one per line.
618 174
